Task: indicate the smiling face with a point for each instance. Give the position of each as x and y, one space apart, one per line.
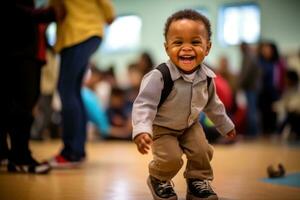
187 44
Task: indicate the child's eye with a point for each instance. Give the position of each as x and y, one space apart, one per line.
177 42
196 42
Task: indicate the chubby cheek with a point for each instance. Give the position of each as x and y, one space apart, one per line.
173 55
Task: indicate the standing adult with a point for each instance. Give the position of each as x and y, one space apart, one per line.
21 89
248 82
78 37
273 71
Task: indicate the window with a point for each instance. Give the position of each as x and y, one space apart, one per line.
122 34
51 33
239 23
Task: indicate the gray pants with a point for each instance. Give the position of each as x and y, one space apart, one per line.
169 146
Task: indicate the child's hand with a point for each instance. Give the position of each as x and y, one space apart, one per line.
231 134
143 142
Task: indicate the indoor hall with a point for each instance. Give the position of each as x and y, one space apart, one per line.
74 100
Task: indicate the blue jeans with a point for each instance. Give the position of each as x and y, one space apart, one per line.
252 122
74 61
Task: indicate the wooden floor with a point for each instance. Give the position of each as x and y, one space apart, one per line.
115 171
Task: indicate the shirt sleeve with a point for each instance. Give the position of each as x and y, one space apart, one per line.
145 104
216 112
108 10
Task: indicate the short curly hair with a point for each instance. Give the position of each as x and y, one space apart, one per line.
188 14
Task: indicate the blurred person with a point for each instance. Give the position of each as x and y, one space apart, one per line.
272 69
22 89
97 114
171 128
145 63
225 94
103 89
78 37
93 104
119 115
103 84
249 80
43 122
135 79
294 61
225 72
288 105
235 109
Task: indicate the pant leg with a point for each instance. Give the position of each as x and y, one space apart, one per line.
252 125
167 154
74 61
4 108
24 95
198 152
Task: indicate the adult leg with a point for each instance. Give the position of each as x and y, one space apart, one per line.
25 92
74 61
252 127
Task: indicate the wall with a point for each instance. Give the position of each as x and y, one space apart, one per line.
279 22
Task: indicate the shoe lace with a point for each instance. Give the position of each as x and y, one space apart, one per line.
203 185
165 186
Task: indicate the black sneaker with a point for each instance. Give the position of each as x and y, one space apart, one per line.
200 190
161 190
30 168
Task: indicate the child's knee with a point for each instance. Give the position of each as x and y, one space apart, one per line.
175 162
202 151
171 162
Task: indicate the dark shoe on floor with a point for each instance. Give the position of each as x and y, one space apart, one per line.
200 190
31 168
60 162
3 162
161 190
3 159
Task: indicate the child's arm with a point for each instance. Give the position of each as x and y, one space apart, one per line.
143 142
145 105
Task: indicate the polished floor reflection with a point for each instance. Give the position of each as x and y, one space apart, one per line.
116 171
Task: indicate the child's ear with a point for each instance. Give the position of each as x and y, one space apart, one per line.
208 48
166 47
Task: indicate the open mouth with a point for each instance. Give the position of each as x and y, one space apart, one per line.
186 59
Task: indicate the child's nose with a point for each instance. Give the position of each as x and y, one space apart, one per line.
186 48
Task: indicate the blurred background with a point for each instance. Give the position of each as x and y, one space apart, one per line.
135 41
256 56
139 27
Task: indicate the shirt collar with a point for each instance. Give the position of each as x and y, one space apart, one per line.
201 73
